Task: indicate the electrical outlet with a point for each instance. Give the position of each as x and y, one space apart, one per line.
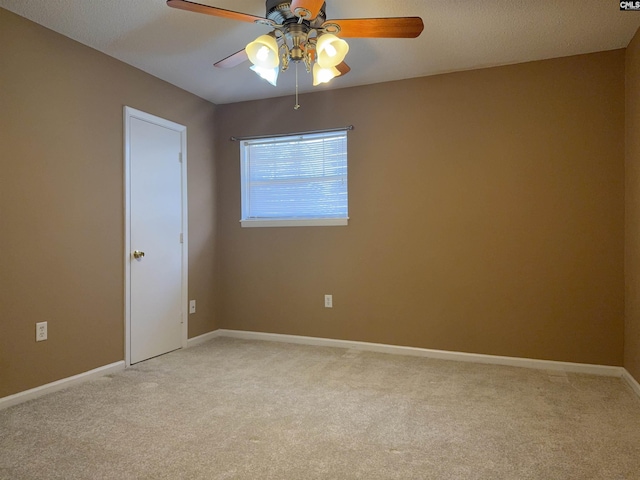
41 331
192 306
328 301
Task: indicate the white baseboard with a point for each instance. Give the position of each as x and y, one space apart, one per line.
27 395
192 342
633 383
605 370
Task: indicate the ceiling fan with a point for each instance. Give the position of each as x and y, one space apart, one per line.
302 34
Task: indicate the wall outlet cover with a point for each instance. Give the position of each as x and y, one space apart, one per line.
328 301
41 331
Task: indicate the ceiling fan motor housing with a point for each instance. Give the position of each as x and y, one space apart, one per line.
295 29
280 12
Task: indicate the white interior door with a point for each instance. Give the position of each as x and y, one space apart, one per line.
156 261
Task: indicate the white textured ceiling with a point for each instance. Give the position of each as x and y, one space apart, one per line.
180 47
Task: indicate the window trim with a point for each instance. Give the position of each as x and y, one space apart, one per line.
292 222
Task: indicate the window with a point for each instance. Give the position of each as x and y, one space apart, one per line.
296 180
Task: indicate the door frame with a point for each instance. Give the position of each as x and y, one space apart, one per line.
130 113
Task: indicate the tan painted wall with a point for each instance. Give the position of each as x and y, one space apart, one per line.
632 192
487 215
61 201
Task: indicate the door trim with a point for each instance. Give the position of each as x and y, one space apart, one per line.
130 113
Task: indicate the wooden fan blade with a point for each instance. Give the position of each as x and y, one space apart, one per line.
343 68
233 60
398 27
307 9
216 12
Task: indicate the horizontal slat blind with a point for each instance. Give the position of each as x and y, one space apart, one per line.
297 177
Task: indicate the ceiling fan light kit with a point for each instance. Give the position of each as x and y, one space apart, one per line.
268 74
302 34
263 52
331 50
324 74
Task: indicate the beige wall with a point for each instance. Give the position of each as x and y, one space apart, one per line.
487 215
61 201
632 245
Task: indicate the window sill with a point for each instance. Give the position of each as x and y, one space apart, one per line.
310 222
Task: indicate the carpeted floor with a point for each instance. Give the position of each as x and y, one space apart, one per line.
234 409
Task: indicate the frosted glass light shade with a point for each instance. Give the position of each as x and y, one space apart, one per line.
269 74
331 50
323 75
263 52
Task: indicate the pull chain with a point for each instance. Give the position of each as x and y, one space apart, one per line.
297 105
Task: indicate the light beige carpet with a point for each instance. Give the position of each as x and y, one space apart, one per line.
233 409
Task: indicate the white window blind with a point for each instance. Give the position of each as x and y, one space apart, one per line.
295 180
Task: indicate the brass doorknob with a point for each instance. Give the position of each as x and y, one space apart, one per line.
138 254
